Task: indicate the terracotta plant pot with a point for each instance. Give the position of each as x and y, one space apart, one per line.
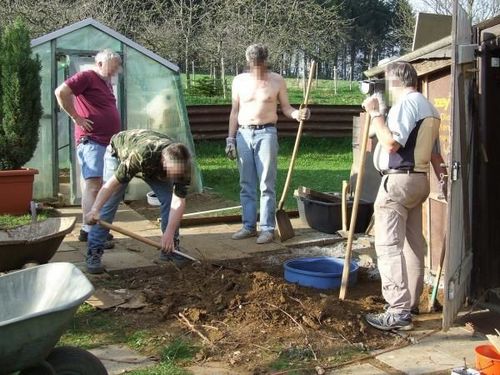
16 190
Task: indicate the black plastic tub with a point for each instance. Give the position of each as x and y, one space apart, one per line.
326 217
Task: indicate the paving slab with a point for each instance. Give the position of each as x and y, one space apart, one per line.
74 256
214 242
357 369
124 260
215 368
65 246
119 359
438 352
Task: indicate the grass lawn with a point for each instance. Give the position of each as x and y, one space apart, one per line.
321 164
92 328
322 92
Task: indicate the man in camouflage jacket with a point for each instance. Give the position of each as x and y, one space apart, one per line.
163 164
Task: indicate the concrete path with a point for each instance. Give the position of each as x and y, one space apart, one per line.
208 242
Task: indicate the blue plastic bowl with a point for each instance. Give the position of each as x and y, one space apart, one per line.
319 272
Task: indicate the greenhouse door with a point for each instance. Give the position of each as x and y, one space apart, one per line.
68 64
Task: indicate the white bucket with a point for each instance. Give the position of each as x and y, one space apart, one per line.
152 199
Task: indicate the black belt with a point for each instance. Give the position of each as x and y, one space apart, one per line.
399 171
257 127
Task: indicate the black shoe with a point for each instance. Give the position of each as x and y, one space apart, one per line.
413 311
84 236
108 245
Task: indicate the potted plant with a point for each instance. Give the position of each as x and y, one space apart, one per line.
20 113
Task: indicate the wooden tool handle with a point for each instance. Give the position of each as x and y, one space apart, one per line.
297 139
142 239
354 211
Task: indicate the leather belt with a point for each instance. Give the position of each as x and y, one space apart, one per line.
257 127
399 171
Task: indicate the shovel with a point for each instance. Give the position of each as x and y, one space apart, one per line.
142 239
285 229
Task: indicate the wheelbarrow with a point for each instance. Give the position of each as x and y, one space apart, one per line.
33 243
37 306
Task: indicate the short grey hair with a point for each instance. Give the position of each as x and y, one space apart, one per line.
107 55
256 53
403 71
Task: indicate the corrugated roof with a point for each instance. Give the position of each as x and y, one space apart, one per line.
105 29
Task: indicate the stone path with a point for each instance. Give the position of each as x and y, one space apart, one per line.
209 242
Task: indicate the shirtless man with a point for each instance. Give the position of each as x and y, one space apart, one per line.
253 140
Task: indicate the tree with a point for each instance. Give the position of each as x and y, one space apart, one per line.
478 10
403 25
20 107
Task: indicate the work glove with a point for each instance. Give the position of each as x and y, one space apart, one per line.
302 114
382 107
231 148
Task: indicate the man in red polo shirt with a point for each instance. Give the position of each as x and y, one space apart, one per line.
88 98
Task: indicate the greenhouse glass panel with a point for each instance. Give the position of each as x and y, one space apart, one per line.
42 158
88 38
154 101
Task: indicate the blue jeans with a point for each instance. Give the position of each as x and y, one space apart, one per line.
162 189
258 164
90 157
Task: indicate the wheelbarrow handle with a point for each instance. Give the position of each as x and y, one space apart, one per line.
142 239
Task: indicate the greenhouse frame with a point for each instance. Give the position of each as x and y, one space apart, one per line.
149 96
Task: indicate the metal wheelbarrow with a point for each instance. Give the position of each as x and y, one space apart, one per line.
33 243
37 305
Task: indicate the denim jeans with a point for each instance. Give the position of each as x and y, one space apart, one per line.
90 157
162 189
257 162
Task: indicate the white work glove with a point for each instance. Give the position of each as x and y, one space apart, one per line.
382 107
371 105
301 114
231 148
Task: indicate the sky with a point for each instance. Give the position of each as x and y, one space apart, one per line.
417 4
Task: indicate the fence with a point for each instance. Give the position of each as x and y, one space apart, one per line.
211 121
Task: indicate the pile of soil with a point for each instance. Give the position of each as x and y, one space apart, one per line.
245 314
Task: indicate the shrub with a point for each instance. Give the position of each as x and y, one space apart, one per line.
20 97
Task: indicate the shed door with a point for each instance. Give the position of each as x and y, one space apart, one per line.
458 260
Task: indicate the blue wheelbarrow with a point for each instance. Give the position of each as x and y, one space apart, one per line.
37 304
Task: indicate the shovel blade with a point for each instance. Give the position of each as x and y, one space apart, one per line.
343 233
285 229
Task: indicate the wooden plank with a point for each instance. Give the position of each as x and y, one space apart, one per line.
317 195
458 260
192 221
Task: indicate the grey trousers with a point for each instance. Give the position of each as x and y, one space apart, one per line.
399 242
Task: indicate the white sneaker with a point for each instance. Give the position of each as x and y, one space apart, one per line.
265 237
244 233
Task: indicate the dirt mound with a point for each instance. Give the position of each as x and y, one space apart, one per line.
246 314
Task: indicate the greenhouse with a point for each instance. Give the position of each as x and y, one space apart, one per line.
149 96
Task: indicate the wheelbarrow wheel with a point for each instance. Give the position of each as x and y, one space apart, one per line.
68 360
42 368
